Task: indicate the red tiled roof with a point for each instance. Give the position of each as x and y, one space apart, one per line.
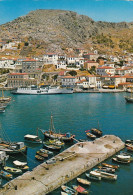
18 74
68 77
105 67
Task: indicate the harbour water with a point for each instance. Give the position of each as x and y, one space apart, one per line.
75 113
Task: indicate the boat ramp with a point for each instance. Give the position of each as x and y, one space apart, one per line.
66 166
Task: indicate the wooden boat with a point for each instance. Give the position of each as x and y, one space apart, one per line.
123 157
13 170
52 147
95 174
42 154
5 175
90 135
108 176
54 135
56 142
21 165
129 145
64 193
46 151
34 139
40 158
129 149
96 132
121 161
80 189
129 141
110 166
68 189
83 181
106 169
93 177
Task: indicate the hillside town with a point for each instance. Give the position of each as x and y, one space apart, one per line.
79 69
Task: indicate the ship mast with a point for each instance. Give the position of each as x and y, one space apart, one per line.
51 128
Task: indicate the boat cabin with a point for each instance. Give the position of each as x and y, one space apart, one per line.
31 137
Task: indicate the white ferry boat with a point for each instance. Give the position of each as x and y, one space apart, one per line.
33 90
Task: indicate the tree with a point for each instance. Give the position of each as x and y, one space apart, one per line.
26 43
73 73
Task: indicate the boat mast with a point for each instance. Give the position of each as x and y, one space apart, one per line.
51 124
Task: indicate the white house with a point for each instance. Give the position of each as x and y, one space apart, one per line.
50 58
105 70
68 81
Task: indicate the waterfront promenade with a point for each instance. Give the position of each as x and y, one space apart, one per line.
69 164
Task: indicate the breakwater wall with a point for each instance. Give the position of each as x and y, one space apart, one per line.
69 164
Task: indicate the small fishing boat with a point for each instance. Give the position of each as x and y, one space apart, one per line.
96 132
34 139
95 174
123 157
2 110
56 142
44 155
5 175
64 193
83 181
21 165
46 151
80 189
52 147
129 141
39 158
129 145
13 170
52 134
110 166
5 99
93 177
51 161
106 169
121 161
106 175
90 135
68 189
129 149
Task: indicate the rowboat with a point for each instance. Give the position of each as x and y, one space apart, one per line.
46 151
5 175
56 142
42 154
21 165
83 181
129 145
93 177
68 189
40 158
13 170
123 157
110 166
121 161
129 149
80 189
90 135
129 141
52 147
105 175
64 193
106 169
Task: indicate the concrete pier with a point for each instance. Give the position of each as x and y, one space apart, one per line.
69 164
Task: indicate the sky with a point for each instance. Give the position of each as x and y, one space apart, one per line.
98 10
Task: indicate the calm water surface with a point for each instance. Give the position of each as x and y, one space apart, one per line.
75 113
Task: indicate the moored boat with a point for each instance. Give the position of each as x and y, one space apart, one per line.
121 161
52 147
21 165
129 141
68 189
106 169
129 149
90 135
39 158
110 166
46 151
106 175
54 135
64 193
34 139
13 170
44 155
96 132
56 142
83 181
95 177
80 189
123 157
5 175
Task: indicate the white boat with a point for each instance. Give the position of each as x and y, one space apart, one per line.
106 175
33 90
123 157
32 139
21 165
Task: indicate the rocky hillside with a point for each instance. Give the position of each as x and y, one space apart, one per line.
58 30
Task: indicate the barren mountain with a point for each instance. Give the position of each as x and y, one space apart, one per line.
59 29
